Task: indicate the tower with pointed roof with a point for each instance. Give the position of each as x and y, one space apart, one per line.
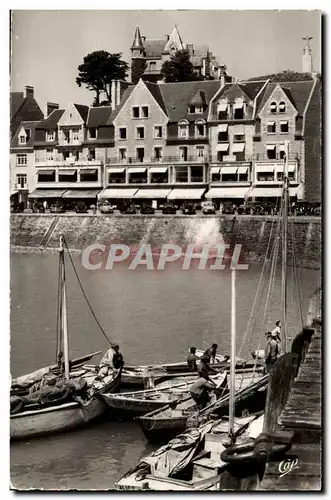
138 61
307 60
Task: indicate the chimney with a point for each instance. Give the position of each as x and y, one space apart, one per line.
143 38
29 91
118 92
50 107
222 74
113 94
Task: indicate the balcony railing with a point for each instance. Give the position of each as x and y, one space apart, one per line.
265 157
59 161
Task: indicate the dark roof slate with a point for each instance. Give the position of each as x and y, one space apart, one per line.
31 125
82 110
154 48
124 98
51 121
16 100
154 89
99 116
297 92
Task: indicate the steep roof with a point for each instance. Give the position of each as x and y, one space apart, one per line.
297 92
178 96
137 41
82 110
51 121
16 99
31 125
23 108
99 116
252 88
154 48
199 99
124 98
156 93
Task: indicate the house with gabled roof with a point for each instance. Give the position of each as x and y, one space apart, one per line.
284 121
23 107
153 53
231 119
70 150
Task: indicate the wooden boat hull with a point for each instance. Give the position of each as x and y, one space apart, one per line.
54 419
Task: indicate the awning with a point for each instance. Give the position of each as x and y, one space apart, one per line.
46 172
222 127
186 194
264 168
283 122
221 106
90 171
152 193
227 192
266 192
67 171
270 124
215 170
238 147
158 170
116 170
75 194
281 168
137 170
271 147
229 170
13 192
282 147
222 147
238 105
47 193
242 170
118 193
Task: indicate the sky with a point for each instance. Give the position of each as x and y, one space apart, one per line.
48 45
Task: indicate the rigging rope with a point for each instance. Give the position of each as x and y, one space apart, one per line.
296 273
84 294
59 312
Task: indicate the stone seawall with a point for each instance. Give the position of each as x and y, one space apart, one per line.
41 232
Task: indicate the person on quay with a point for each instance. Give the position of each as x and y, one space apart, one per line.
200 390
211 353
272 350
192 360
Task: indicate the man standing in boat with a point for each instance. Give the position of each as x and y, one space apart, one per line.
211 353
272 350
192 360
277 330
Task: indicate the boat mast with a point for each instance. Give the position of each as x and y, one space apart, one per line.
284 250
64 319
233 354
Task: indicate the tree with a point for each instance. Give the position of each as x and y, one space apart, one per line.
98 70
179 68
285 76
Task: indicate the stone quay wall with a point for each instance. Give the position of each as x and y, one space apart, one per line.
40 232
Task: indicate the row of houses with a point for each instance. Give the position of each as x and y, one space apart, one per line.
182 141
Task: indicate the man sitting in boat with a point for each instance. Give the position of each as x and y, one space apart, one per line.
211 353
112 359
272 350
199 391
118 361
192 360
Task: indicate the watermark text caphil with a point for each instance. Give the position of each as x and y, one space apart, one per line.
98 256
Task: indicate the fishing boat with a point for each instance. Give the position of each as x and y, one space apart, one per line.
165 393
165 423
33 416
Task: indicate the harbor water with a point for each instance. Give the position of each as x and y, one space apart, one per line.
155 316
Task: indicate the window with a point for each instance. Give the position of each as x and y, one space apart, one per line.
49 154
50 135
158 131
199 109
144 111
21 159
68 177
282 154
183 153
93 133
238 113
122 153
200 152
220 155
271 127
22 139
140 154
135 111
199 130
75 134
265 176
66 136
46 176
89 176
152 66
91 154
282 107
223 136
239 137
116 177
271 152
21 180
183 130
222 110
140 132
65 155
122 132
197 174
227 177
181 174
273 108
283 127
157 154
240 155
28 134
191 110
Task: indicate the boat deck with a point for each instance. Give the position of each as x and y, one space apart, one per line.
301 470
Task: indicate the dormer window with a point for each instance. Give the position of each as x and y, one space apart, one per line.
282 107
238 109
222 110
199 109
93 133
200 129
273 108
22 139
183 129
191 110
50 135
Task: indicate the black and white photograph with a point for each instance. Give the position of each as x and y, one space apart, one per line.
166 240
